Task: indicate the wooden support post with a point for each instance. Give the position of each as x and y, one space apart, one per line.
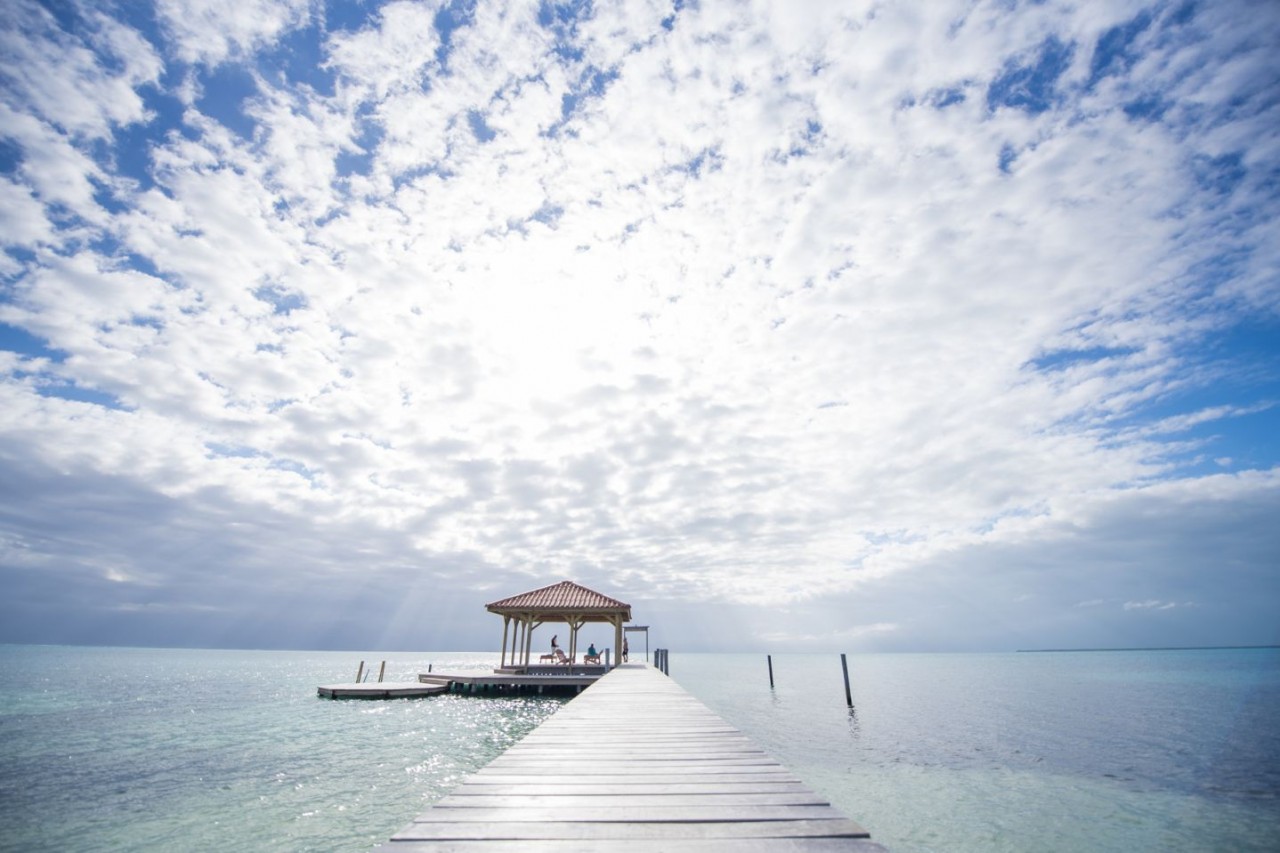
381 671
359 672
770 657
844 664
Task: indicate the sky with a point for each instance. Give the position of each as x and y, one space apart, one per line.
800 326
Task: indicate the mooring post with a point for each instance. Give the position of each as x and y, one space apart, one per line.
770 657
844 664
382 669
359 672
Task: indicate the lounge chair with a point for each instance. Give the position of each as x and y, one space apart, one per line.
590 659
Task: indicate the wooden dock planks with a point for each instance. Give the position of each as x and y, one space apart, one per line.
634 763
378 690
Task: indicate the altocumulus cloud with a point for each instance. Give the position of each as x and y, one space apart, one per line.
943 325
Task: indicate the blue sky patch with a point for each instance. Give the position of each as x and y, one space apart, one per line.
19 340
709 159
371 135
295 467
10 156
452 16
224 91
479 128
281 301
1032 87
1008 154
80 394
593 83
298 58
548 213
345 15
1219 175
132 145
1114 53
232 451
564 15
940 99
1146 108
1067 358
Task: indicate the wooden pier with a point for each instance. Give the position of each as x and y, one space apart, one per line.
634 763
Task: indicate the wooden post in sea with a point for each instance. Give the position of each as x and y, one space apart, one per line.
770 659
848 695
382 669
359 672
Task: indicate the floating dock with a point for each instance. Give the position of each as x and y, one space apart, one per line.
635 763
379 690
550 679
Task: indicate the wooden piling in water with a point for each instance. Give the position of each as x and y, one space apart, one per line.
848 695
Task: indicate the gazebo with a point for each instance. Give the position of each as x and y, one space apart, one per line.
567 602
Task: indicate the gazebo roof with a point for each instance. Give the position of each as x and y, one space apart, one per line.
565 597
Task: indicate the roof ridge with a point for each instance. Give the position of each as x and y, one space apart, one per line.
563 595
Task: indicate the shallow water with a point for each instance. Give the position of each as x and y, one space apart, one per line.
169 749
146 749
1110 751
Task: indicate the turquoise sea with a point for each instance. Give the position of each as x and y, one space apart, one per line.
171 749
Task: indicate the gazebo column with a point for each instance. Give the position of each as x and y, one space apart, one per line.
528 640
517 647
506 623
575 623
617 640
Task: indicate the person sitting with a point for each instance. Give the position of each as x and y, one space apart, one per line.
592 655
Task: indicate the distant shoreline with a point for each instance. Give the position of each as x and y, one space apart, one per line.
1151 649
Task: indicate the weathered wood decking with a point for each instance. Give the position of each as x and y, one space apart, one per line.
635 763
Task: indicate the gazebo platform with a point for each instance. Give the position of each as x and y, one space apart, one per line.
559 679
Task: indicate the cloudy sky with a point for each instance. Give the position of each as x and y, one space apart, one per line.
846 326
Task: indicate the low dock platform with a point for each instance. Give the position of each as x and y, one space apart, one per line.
635 763
379 690
566 680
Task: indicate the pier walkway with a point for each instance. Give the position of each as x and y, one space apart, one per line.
634 763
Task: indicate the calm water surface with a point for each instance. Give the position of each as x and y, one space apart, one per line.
144 749
1110 751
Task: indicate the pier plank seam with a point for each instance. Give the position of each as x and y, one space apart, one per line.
636 763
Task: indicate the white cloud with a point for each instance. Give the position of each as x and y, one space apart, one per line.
213 31
83 85
737 311
1149 604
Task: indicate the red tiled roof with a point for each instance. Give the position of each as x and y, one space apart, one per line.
563 597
